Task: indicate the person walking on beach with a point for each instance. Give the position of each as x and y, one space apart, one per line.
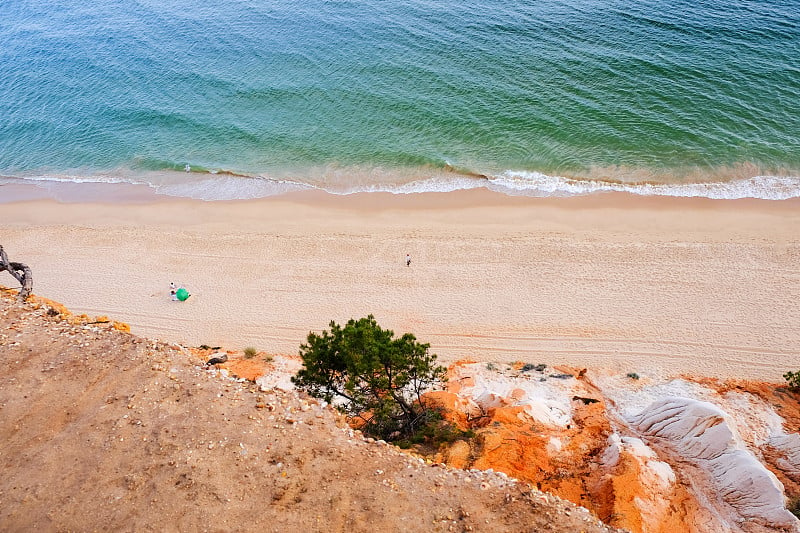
408 260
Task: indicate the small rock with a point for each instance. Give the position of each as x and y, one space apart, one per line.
217 359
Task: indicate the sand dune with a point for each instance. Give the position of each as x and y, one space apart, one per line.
620 282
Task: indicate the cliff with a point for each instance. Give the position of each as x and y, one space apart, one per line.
103 431
646 452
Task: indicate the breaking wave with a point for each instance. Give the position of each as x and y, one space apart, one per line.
222 185
536 184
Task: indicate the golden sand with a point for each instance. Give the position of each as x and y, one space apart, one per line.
616 281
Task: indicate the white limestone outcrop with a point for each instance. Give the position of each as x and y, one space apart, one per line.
699 433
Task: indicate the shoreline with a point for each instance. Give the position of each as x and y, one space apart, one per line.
734 183
615 281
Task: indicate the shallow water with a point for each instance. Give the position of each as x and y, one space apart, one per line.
259 98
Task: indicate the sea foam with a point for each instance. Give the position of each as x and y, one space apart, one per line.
537 184
210 186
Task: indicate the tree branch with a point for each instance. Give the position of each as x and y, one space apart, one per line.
21 272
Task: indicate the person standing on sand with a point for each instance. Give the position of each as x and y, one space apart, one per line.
408 260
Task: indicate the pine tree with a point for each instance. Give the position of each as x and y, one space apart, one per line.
367 373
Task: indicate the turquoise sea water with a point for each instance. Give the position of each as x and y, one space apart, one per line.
255 98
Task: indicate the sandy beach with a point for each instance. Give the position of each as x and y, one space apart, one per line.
626 283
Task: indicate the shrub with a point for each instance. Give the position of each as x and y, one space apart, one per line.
530 366
207 347
793 379
368 374
632 375
793 505
434 432
250 352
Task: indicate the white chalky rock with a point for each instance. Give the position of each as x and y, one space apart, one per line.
789 445
547 402
700 433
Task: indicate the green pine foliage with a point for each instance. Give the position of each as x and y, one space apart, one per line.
793 505
369 374
793 380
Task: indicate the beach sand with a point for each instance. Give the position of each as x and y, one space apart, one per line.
631 284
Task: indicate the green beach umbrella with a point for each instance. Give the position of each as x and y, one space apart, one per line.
182 294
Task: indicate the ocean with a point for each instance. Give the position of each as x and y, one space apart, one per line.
225 99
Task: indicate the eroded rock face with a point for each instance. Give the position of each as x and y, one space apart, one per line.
649 454
652 454
788 448
642 483
699 433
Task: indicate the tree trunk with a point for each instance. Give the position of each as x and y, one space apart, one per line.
21 273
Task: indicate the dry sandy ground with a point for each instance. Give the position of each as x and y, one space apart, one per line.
104 431
622 282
